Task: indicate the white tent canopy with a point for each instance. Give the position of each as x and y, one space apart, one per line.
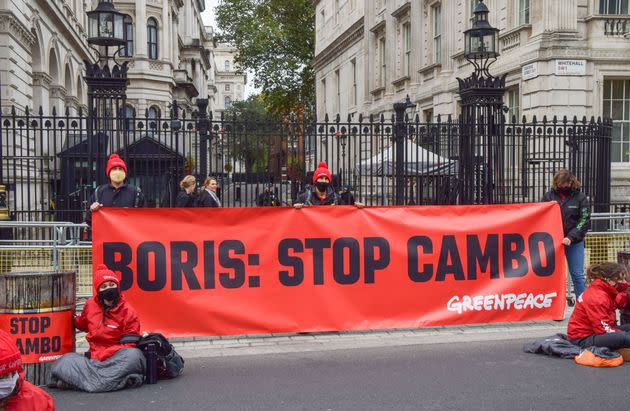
417 161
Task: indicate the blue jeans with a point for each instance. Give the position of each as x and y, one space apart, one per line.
575 259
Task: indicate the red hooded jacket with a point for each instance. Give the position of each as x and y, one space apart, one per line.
27 397
104 329
594 312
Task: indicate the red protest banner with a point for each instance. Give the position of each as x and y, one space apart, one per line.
41 337
262 270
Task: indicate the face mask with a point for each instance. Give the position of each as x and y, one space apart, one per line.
110 294
117 176
322 186
7 385
564 191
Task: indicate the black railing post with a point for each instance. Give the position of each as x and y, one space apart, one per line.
203 127
400 138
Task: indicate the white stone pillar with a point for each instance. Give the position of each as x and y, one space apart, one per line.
141 29
165 33
557 15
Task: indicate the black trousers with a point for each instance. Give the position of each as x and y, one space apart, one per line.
611 340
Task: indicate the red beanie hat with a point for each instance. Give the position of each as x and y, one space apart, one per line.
115 161
10 359
101 275
322 170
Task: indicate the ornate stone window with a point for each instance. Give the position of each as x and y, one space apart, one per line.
617 107
152 39
523 12
613 6
127 49
436 20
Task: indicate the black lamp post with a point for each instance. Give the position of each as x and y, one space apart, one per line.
481 122
107 87
105 25
480 41
400 141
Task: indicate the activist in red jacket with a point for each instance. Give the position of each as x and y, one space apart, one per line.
593 319
107 317
16 394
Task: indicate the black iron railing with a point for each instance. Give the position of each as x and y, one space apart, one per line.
46 159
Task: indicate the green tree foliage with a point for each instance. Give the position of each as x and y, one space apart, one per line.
250 137
276 40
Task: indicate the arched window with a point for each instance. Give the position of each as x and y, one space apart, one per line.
129 115
127 49
154 112
152 40
228 102
227 65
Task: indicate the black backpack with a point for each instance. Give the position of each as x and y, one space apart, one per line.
170 363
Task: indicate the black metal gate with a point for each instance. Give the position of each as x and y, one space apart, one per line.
46 162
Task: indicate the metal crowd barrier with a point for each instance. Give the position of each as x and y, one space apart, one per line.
58 246
47 245
609 235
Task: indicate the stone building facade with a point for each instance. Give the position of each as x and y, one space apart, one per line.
227 82
562 57
170 53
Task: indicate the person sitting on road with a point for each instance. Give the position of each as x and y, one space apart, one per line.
593 320
112 361
321 192
107 316
15 392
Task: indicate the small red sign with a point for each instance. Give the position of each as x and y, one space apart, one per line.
41 337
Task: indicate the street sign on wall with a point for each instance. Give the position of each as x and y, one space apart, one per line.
529 71
570 67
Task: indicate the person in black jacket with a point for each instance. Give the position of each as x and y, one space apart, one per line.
186 197
268 197
576 222
321 192
116 193
208 194
345 196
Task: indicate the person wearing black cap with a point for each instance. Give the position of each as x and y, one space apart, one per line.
268 197
116 193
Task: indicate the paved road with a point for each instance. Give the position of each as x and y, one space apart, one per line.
494 375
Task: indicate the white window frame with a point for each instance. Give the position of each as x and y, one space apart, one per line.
407 47
353 67
436 17
338 87
523 12
622 142
513 97
382 60
618 6
323 82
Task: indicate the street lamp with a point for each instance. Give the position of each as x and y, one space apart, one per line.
400 140
105 26
107 88
480 41
482 126
341 137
